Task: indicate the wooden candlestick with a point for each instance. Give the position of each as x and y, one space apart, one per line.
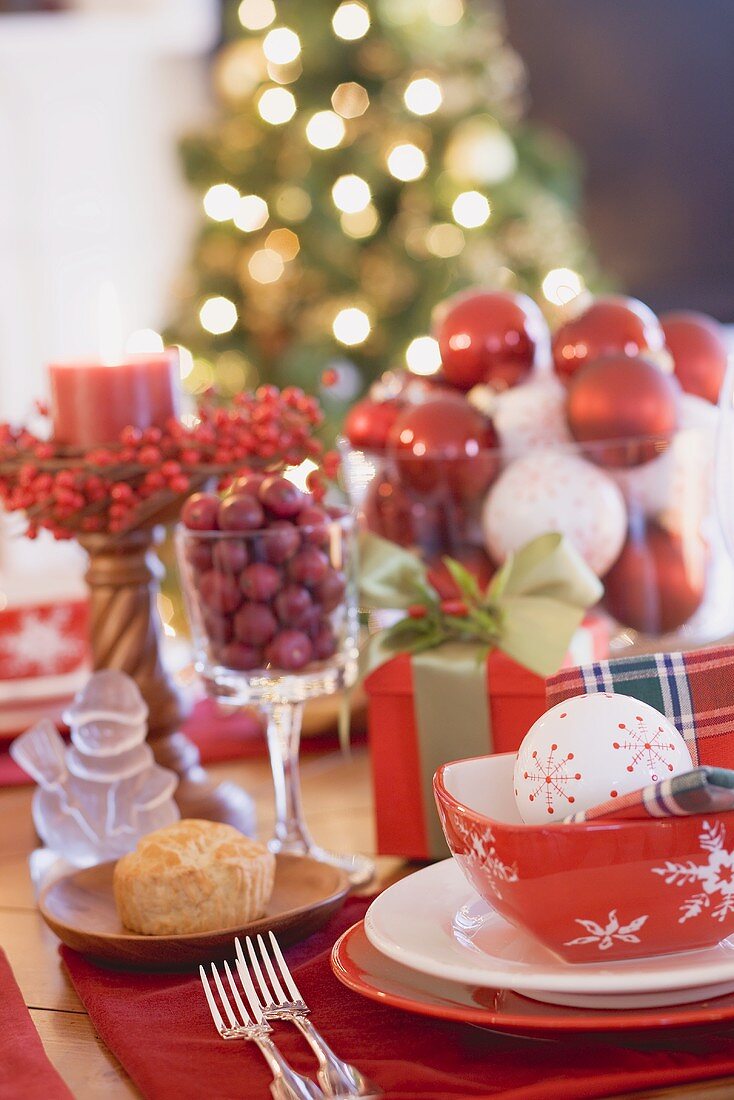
124 580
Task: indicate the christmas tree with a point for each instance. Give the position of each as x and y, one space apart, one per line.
370 157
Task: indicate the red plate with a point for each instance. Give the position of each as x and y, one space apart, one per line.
362 968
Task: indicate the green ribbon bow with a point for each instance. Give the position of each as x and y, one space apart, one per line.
530 610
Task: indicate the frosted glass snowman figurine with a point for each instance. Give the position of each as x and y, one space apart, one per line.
98 796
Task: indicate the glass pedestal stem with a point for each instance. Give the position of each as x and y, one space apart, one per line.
284 737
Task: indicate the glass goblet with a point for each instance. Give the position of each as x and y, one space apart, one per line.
273 614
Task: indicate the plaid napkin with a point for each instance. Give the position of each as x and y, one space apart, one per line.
703 791
694 690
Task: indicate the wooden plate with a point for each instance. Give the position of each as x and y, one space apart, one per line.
80 909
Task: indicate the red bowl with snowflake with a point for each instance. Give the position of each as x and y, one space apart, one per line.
595 890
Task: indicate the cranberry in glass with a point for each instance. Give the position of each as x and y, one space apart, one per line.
309 566
260 581
230 555
255 624
200 511
281 497
248 484
219 591
240 513
281 541
315 522
324 642
291 603
241 656
291 650
218 627
329 592
199 554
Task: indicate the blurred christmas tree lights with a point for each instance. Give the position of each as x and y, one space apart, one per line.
369 158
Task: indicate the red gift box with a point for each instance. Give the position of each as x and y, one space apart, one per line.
404 808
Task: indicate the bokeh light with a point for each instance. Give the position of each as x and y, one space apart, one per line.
325 130
256 15
446 13
423 96
406 162
351 194
221 201
422 356
218 315
351 326
284 242
363 223
281 45
445 240
252 213
351 21
276 106
293 203
144 340
561 285
471 209
266 265
350 100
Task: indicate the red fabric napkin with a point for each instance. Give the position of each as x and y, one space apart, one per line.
24 1068
160 1029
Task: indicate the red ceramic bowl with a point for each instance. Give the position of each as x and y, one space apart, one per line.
595 890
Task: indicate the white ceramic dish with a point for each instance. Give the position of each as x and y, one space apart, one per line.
435 923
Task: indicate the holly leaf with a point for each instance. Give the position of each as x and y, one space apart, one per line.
465 581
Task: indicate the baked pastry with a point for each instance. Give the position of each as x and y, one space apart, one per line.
193 876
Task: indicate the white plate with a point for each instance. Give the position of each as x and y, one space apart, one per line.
434 922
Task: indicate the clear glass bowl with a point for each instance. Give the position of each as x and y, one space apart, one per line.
274 621
654 537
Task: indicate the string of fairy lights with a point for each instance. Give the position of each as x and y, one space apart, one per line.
275 59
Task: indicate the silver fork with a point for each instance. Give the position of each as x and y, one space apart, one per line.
286 1083
337 1078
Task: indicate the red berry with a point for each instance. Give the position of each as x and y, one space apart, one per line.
255 624
240 513
230 555
292 602
218 627
329 378
199 512
219 591
241 657
316 523
280 541
281 497
324 641
249 483
290 650
309 566
260 581
329 592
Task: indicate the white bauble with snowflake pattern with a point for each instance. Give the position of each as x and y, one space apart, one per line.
532 415
592 748
548 490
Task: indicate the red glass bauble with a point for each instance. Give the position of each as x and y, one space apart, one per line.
699 352
628 401
657 582
606 327
390 511
445 444
488 337
474 558
368 423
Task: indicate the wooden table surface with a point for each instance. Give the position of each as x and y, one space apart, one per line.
338 804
